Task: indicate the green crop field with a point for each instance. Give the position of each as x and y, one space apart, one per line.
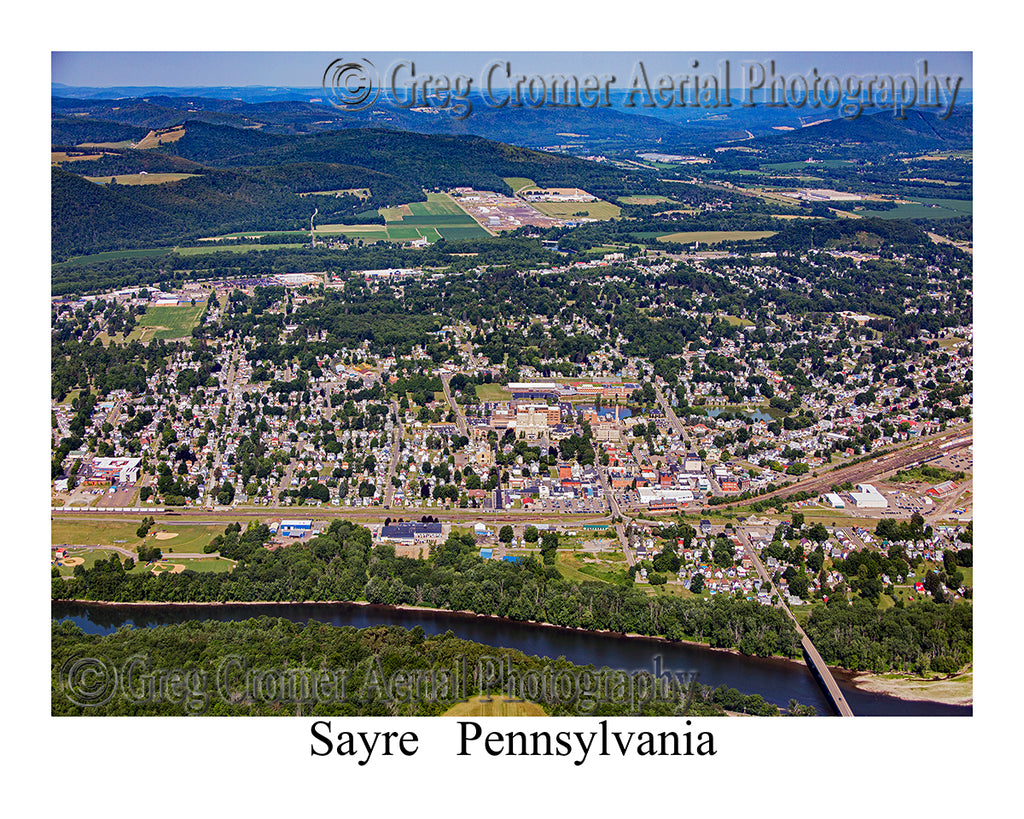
169 321
237 248
438 217
358 231
923 208
645 200
710 237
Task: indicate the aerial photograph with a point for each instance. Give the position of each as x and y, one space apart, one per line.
501 384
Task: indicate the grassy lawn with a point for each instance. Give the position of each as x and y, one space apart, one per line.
672 589
89 557
170 321
492 392
118 533
518 183
583 568
738 322
206 566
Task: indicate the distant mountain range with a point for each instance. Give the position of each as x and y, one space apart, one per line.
580 131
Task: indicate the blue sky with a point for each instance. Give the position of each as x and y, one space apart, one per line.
305 69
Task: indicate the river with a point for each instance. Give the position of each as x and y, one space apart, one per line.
776 680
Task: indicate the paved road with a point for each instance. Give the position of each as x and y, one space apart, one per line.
396 448
673 419
620 529
813 656
460 419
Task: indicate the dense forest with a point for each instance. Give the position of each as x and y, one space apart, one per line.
364 660
342 564
920 637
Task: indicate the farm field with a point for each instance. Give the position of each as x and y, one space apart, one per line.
235 248
140 178
568 210
804 166
156 138
439 217
498 706
115 146
645 200
111 255
57 157
712 236
923 208
362 193
167 321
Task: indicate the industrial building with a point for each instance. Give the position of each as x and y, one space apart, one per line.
412 532
114 471
295 528
867 497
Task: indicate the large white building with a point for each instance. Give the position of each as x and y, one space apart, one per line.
115 470
653 493
867 497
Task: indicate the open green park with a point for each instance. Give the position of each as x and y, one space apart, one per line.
167 321
183 538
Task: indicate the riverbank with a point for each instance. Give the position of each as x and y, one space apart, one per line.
797 661
957 689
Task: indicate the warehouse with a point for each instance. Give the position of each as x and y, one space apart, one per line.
653 495
833 500
296 528
410 532
867 497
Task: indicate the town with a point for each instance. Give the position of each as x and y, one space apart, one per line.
519 424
